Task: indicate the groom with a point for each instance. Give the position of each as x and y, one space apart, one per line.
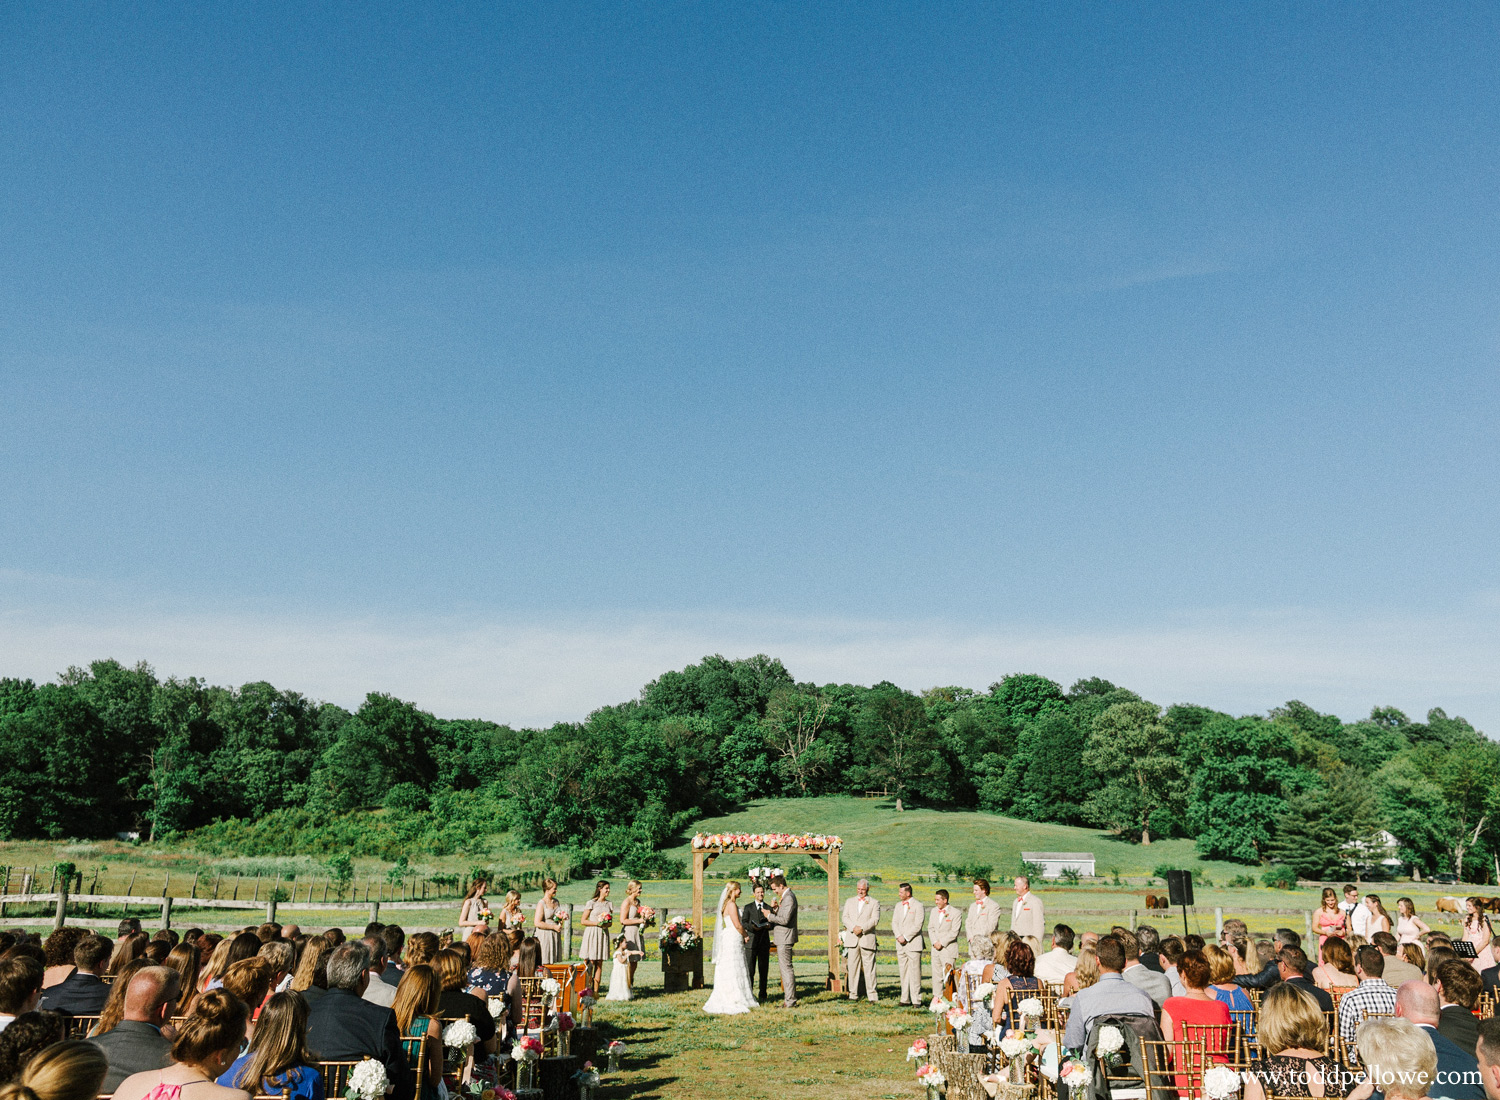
783 921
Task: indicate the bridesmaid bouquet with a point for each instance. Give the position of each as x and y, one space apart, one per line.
648 915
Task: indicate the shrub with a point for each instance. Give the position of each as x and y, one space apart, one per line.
653 865
964 872
1281 877
1242 880
1069 875
341 873
1032 871
406 796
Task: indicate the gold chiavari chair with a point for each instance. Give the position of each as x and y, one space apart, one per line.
1174 1069
1218 1041
80 1026
415 1048
336 1076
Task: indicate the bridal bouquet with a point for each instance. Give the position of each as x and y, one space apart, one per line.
1220 1083
460 1036
367 1081
678 935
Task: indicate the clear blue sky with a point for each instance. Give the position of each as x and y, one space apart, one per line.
995 321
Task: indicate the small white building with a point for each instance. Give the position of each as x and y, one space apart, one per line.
1054 864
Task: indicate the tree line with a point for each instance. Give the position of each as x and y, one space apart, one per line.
258 769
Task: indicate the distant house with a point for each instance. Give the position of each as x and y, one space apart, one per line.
1054 864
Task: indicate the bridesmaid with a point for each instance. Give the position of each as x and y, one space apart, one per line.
1329 920
473 913
633 925
597 916
547 920
510 917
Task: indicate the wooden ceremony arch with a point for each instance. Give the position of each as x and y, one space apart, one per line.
826 858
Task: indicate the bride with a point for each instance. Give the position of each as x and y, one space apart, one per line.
732 991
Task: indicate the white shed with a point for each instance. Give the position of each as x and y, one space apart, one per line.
1054 864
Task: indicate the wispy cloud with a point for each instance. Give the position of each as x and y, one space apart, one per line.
534 670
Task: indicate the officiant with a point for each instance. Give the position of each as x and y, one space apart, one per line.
753 917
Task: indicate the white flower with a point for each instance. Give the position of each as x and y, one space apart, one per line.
551 986
959 1019
459 1035
778 871
1012 1047
1031 1006
1220 1083
367 1081
938 1006
934 1080
983 991
1076 1076
497 1008
1110 1040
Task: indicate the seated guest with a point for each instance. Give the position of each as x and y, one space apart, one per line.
422 947
311 979
81 993
1196 1007
114 1008
1337 969
278 1060
130 945
135 1043
1085 974
1397 970
1293 1038
456 1002
30 1033
1150 942
1172 950
343 1026
70 1070
1147 981
1293 965
1372 997
416 1008
335 937
1399 1054
394 938
58 952
1458 985
1111 994
527 966
246 945
1221 983
1413 953
250 981
378 990
207 1043
20 987
1057 964
1270 967
491 968
1019 982
1458 1076
278 953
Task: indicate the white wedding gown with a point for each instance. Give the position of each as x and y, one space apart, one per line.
732 993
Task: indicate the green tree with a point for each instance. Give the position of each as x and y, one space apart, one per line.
895 745
793 728
1245 769
1323 829
1134 752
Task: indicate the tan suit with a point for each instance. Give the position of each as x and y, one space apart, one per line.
860 957
1026 916
983 919
943 926
906 924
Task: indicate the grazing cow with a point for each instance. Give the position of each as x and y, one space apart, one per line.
1450 905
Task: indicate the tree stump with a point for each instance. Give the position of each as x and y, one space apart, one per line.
682 970
556 1077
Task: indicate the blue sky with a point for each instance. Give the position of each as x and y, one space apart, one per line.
506 356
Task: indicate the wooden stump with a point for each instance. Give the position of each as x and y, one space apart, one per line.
556 1078
585 1043
682 970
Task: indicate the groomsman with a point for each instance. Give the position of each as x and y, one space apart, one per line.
984 914
906 926
1026 911
861 915
943 926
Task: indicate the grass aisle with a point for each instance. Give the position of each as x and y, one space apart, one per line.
828 1047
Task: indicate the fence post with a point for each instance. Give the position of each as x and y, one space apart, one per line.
1134 913
62 903
567 916
193 893
271 908
1218 923
166 910
374 906
257 890
1307 923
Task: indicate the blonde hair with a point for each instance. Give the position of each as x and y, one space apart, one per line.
70 1070
1289 1017
1413 954
313 952
1398 1055
1087 970
1220 964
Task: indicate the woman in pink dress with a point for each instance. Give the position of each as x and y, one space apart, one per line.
1329 920
1477 931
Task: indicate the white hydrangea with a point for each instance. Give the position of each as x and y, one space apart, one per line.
1012 1047
551 986
497 1008
1031 1007
367 1081
1220 1083
460 1035
1111 1040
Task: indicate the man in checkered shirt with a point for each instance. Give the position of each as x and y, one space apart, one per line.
1372 997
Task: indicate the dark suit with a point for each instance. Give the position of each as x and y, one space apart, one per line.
78 994
1491 979
342 1026
760 943
1268 976
1325 1002
1458 1023
1151 960
391 975
131 1046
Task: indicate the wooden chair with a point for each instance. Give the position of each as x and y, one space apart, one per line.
1225 1041
284 1094
80 1026
1174 1068
963 1072
415 1048
1486 1006
336 1076
1050 993
533 1006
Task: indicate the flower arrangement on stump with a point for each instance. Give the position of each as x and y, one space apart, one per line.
932 1079
678 935
917 1053
615 1051
526 1051
588 1081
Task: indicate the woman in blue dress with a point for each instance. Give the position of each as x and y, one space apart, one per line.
278 1060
